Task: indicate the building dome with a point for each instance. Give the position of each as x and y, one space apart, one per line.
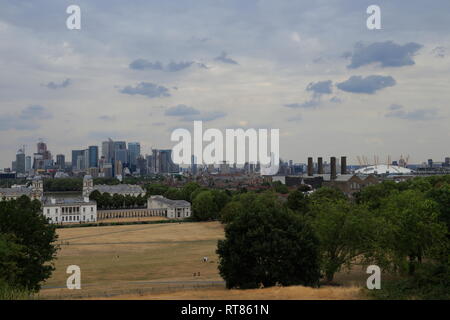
383 169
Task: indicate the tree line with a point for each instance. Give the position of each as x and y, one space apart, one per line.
401 227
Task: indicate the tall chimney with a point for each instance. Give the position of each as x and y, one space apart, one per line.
343 165
310 167
320 165
333 168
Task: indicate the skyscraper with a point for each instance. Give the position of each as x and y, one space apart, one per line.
93 156
162 162
108 150
75 155
134 151
61 161
20 161
27 163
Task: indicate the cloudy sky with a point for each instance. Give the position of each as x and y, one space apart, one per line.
138 69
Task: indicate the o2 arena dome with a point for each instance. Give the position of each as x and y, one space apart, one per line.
384 169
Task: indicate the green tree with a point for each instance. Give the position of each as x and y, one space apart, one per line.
266 244
327 194
204 207
174 194
345 231
156 189
298 201
28 240
280 188
188 189
415 231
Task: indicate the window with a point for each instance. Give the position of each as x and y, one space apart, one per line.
84 209
92 209
56 210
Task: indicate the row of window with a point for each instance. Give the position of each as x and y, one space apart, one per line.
72 218
70 210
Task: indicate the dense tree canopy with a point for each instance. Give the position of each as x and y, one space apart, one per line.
26 244
266 244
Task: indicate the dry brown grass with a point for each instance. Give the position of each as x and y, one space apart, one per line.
275 293
157 261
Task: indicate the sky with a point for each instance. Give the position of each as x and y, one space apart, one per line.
136 70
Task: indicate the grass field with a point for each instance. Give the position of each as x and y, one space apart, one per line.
158 261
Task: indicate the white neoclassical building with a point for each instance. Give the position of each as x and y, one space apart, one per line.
175 209
69 210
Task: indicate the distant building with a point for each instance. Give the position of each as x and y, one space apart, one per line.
75 156
20 161
69 210
108 150
61 161
134 152
93 157
35 191
122 189
27 163
175 209
162 162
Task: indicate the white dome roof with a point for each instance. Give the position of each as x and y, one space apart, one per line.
383 169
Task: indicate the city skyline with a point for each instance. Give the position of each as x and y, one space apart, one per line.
313 70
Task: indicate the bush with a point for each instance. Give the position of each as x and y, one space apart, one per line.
430 282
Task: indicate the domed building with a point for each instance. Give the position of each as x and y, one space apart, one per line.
384 169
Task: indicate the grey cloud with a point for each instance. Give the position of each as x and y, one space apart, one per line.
321 87
368 85
205 116
310 104
27 119
181 110
295 119
318 89
439 52
147 89
398 111
143 64
187 113
387 54
336 100
225 59
174 66
107 118
54 85
34 112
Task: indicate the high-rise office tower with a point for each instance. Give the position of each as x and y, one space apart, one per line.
75 155
134 151
162 162
20 161
27 163
108 150
93 156
61 161
193 165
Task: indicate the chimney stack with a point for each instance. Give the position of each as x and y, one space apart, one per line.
320 165
343 165
333 168
310 167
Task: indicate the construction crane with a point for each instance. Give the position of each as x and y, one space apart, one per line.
360 161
